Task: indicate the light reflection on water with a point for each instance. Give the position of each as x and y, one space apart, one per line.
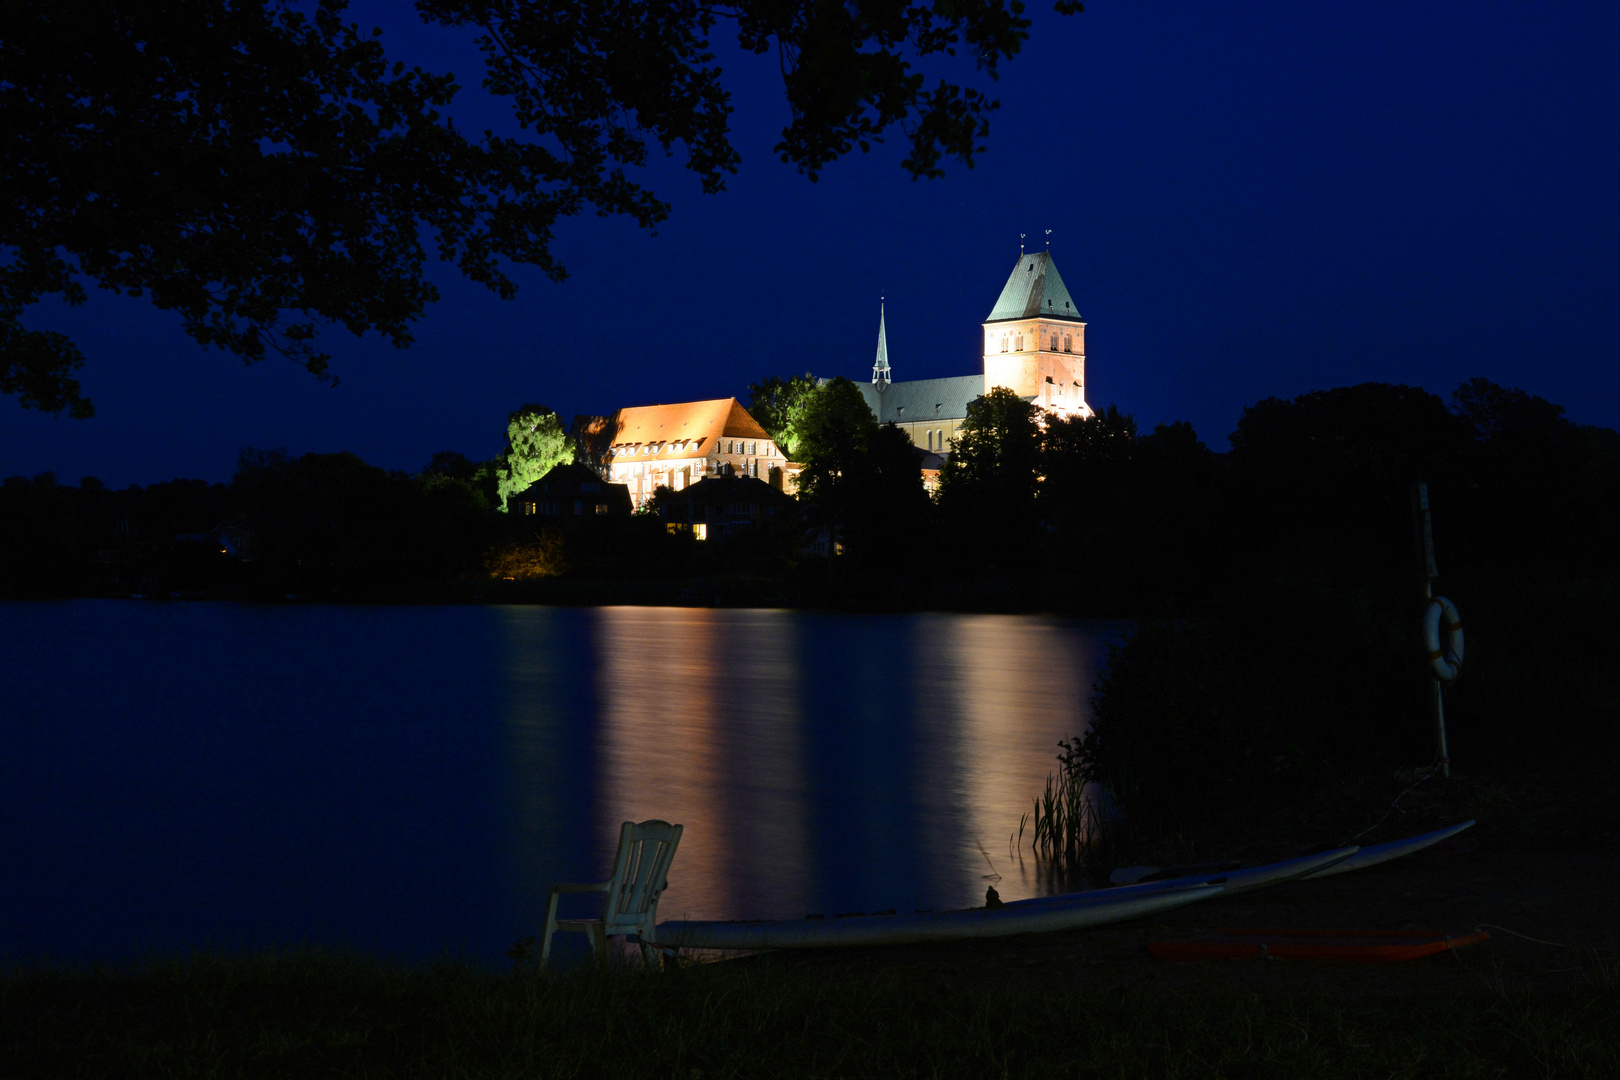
824 762
411 780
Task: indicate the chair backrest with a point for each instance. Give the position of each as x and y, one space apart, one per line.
640 870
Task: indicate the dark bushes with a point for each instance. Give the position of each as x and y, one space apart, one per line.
1299 665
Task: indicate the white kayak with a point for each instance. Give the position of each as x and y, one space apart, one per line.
1381 853
1073 912
1232 881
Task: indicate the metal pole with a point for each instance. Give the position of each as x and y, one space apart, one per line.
1424 528
1439 695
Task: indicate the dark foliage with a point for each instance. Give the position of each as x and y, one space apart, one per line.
1295 660
263 169
989 486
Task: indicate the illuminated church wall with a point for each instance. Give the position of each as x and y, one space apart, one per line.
1034 345
1040 359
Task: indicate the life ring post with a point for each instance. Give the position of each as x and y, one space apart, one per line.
1423 531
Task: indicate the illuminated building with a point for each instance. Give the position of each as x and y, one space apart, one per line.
652 446
1034 344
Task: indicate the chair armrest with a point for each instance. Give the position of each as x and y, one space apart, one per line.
568 888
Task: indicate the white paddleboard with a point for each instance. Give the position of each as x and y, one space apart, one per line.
1380 853
1079 911
1233 881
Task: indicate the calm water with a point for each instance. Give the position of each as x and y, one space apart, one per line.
412 779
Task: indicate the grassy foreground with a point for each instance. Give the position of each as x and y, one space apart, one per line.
318 1014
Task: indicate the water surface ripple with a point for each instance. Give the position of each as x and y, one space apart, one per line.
411 779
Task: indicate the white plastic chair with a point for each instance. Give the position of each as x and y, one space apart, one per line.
640 873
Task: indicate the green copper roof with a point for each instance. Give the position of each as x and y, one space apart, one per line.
880 369
923 400
1035 289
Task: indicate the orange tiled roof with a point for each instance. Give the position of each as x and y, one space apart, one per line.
669 426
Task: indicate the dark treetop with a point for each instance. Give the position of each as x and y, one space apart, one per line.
263 171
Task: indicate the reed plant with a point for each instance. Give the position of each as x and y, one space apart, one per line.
1073 826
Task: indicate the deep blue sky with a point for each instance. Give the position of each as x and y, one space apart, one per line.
1247 200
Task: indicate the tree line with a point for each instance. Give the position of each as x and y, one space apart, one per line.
1117 520
1085 515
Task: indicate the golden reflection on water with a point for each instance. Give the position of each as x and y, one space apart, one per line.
1024 686
810 757
701 726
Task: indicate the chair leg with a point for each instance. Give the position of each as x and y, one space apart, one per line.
550 931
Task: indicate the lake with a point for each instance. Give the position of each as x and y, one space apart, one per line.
411 780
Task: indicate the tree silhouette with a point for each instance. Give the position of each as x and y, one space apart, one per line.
263 172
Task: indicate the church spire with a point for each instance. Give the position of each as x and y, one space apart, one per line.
880 369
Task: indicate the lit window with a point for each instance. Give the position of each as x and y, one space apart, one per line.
528 508
601 508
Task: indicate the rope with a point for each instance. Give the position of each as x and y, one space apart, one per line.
1396 805
1527 937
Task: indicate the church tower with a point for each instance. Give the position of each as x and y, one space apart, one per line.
880 368
1035 340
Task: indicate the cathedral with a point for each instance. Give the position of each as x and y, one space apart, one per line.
1034 344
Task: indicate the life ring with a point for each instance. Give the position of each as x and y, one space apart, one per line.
1445 657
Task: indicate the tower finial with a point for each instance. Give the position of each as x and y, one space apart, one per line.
1020 245
880 368
1048 240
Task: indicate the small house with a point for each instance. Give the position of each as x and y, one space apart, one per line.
570 492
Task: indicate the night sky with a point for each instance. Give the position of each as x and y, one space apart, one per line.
1246 200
